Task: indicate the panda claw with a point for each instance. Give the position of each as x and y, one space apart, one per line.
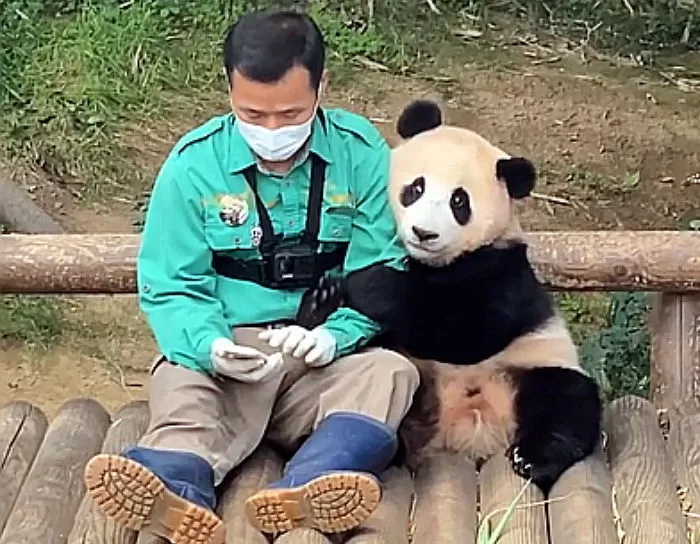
520 466
319 302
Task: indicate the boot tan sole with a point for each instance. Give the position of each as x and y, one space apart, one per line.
331 503
136 498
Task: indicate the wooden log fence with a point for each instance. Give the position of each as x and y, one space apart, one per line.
642 486
565 261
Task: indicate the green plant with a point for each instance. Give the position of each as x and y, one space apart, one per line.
487 536
618 354
585 313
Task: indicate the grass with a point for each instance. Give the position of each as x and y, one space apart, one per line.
71 79
637 27
487 535
74 72
34 321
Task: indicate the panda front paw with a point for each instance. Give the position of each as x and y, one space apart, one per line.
559 423
543 467
319 302
544 455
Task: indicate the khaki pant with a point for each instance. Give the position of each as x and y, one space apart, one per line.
224 420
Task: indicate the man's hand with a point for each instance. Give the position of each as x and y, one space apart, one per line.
316 346
242 363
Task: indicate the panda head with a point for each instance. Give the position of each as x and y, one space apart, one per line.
451 190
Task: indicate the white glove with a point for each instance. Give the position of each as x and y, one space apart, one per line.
242 363
317 346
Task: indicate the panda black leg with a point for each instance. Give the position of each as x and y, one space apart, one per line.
319 302
559 423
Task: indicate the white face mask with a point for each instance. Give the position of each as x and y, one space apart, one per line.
275 144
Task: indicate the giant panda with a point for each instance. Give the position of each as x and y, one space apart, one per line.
500 372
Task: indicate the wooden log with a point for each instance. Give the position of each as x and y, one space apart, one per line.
675 351
390 522
263 467
580 504
446 501
91 526
22 428
575 261
499 486
46 505
71 263
644 486
684 449
19 213
304 535
148 538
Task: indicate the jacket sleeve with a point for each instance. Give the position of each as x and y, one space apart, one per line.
176 283
373 243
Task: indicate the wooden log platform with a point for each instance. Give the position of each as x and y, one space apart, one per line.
641 487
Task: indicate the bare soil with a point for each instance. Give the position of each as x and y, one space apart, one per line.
622 151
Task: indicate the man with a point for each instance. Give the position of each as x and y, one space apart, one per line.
278 179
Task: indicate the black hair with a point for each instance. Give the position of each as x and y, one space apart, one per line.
265 45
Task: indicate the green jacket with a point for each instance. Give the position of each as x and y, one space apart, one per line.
186 303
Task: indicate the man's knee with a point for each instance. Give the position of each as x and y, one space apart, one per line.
386 365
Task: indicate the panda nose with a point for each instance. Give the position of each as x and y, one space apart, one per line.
424 235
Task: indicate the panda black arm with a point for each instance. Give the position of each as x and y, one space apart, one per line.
381 293
377 291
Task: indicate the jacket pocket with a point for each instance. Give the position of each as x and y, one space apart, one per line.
222 237
336 225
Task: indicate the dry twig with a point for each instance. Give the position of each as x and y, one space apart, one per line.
549 198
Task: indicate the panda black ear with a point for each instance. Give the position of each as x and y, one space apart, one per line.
519 175
417 117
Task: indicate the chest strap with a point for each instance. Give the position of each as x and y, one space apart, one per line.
291 263
299 271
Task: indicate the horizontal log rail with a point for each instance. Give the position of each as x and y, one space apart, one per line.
667 261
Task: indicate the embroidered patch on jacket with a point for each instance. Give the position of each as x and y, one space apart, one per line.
233 210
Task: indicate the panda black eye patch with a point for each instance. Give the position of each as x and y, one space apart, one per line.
459 203
412 192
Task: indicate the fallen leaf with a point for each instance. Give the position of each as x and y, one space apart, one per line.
631 180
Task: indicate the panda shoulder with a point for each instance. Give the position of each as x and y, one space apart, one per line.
357 126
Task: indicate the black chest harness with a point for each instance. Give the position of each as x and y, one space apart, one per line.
286 263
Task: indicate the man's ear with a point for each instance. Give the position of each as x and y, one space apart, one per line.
323 84
226 78
519 175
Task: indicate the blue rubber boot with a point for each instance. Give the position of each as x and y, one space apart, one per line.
167 493
331 484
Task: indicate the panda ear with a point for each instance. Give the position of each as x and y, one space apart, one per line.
417 117
519 175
